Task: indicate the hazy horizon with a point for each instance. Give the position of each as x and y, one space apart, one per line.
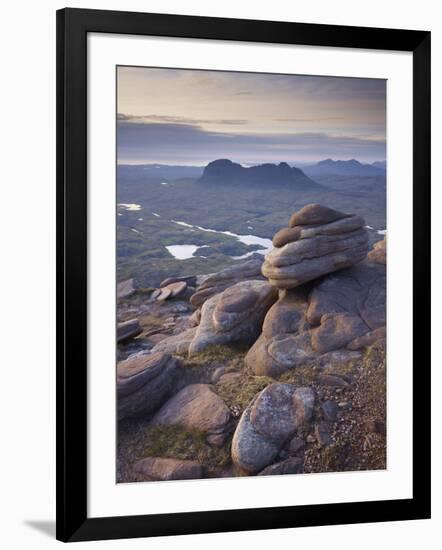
298 164
192 117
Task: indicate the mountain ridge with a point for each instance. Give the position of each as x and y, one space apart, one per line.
224 171
345 168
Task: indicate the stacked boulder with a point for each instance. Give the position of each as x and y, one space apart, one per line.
318 241
332 318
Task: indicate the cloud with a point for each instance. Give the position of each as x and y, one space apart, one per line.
181 142
318 119
177 119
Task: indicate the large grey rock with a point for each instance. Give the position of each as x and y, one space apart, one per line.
167 469
319 241
339 314
144 382
127 330
273 417
235 315
197 407
217 282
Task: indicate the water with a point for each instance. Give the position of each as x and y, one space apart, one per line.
378 231
130 207
183 251
265 244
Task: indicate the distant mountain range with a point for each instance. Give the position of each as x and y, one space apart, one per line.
224 171
345 168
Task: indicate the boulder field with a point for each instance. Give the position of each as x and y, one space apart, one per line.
257 359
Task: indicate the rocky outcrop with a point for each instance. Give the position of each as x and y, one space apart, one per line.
127 330
144 383
234 315
379 252
197 407
217 282
226 172
319 240
167 469
274 416
342 313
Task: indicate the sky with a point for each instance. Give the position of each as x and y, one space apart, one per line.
192 117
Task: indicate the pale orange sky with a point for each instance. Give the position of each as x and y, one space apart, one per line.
191 117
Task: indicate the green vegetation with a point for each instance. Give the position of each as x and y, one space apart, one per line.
300 376
238 393
174 442
232 357
137 440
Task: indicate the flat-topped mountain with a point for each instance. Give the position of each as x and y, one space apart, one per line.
345 168
224 171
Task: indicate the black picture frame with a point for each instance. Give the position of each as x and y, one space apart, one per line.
73 25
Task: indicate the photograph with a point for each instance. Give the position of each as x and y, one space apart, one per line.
251 239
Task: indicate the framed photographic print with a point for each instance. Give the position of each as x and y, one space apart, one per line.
239 345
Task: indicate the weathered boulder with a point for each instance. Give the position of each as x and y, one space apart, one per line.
177 288
127 330
319 241
125 289
189 279
234 315
217 282
145 382
197 407
166 469
165 293
268 423
177 343
378 253
339 314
